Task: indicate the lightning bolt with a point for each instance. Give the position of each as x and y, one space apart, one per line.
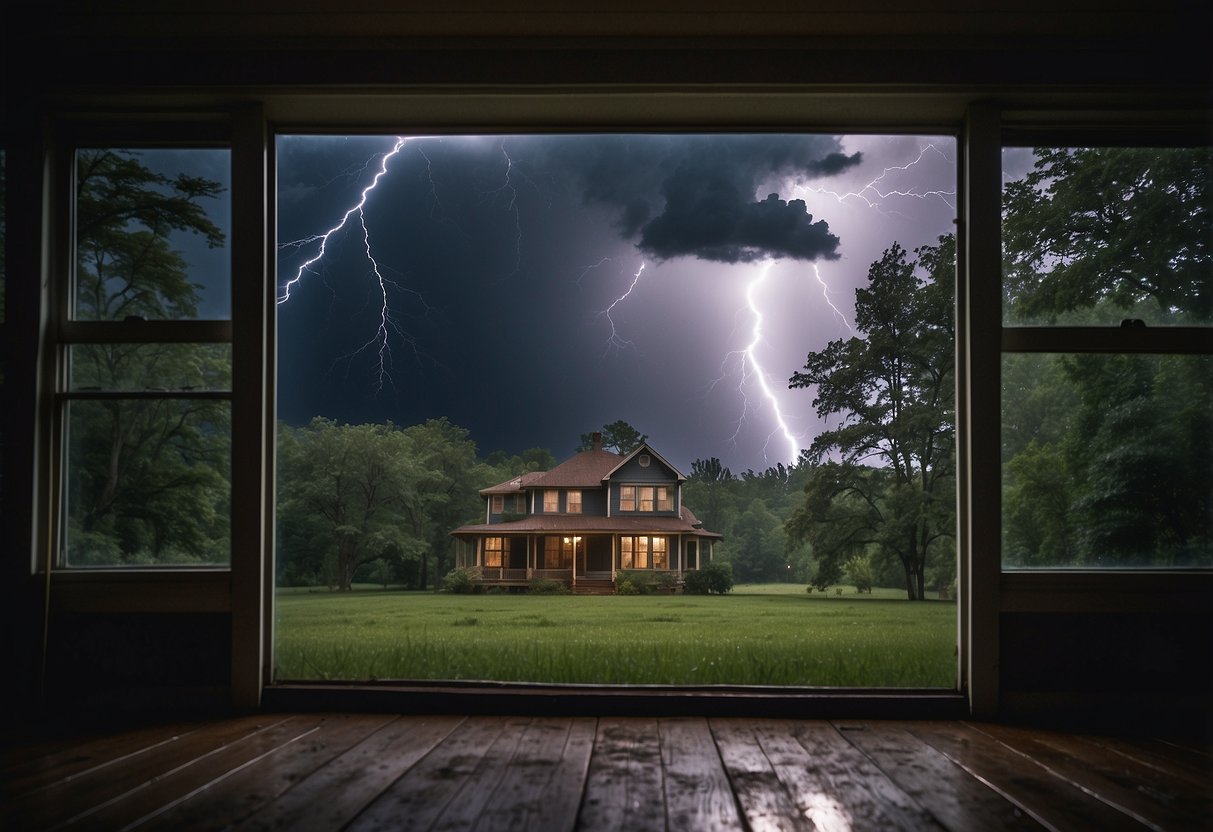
825 293
871 195
617 341
381 341
750 354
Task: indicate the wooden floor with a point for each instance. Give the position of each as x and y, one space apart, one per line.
336 771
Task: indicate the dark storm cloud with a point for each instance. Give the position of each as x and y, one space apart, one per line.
680 196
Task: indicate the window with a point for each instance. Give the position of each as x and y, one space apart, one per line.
627 498
494 548
498 504
573 501
645 494
644 552
144 406
643 460
520 504
661 559
626 549
558 552
665 498
1107 368
551 501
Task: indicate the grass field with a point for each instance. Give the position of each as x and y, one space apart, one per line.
769 634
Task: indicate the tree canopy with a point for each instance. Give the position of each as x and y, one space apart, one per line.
884 478
618 436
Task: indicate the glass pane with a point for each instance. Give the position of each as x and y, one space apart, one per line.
1107 461
1097 236
147 483
151 367
151 234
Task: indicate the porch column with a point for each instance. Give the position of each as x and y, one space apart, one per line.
574 539
479 551
530 555
614 555
681 555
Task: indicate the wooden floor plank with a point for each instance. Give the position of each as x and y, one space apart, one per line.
624 785
231 799
169 788
542 786
78 794
1051 800
423 793
28 767
762 797
332 796
849 778
697 791
1153 797
954 797
1161 756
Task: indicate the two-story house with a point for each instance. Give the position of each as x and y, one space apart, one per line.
585 520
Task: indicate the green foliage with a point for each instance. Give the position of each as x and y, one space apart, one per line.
461 580
713 579
544 586
618 436
859 572
1123 227
893 389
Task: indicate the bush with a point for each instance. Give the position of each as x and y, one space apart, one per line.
626 587
859 572
543 586
461 581
713 579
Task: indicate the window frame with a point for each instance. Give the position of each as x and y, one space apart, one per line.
1105 339
571 505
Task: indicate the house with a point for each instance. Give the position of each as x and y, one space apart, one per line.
584 521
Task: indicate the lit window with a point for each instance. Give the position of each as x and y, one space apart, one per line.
661 558
625 553
642 553
494 548
665 498
646 497
573 502
551 501
627 498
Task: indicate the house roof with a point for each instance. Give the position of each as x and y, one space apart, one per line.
514 486
643 448
584 470
573 523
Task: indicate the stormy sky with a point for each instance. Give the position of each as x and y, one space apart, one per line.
538 287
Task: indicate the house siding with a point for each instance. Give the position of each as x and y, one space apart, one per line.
631 473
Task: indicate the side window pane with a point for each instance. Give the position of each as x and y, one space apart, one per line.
147 482
1094 236
150 367
1107 460
151 234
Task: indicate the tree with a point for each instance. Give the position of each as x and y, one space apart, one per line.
618 436
355 478
892 484
1120 226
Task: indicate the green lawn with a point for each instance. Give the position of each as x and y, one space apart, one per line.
771 634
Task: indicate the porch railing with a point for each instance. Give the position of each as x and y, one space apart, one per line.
498 573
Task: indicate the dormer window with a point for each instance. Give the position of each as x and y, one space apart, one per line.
644 460
498 504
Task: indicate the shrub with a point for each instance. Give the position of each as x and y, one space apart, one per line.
626 587
543 586
859 572
713 579
461 581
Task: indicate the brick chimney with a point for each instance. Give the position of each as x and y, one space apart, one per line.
597 436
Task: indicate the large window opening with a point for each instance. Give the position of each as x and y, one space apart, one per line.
766 320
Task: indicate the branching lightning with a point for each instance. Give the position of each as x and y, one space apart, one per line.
872 195
388 324
615 340
825 293
749 356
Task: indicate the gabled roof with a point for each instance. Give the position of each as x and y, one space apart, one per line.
644 448
584 470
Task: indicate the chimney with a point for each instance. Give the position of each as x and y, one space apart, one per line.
597 441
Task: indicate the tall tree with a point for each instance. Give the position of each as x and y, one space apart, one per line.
888 478
618 436
1124 226
357 478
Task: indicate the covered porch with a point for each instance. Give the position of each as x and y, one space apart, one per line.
582 560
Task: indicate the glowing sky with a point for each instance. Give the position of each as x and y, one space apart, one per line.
538 287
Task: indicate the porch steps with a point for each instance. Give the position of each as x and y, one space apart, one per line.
591 586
